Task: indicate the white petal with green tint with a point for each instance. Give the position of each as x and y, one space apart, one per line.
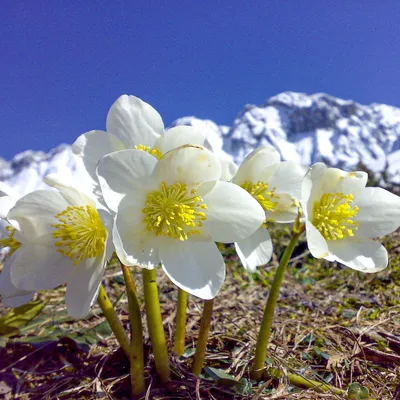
6 203
34 213
93 145
196 267
10 295
229 170
190 165
232 214
135 247
70 193
179 136
255 162
256 250
38 267
359 253
315 241
379 212
83 286
134 122
122 172
288 178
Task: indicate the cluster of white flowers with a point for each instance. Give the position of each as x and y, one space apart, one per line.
162 197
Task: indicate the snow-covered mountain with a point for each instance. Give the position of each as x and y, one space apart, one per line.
303 128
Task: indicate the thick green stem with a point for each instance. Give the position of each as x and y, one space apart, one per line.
180 329
113 320
154 322
203 337
266 324
136 349
299 381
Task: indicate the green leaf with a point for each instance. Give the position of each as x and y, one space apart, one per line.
103 330
321 353
221 377
11 323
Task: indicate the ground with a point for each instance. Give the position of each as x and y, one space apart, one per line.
332 325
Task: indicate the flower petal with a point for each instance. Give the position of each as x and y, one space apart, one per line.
196 267
179 136
6 203
334 180
255 250
133 244
34 213
93 145
134 122
288 178
255 162
83 286
285 211
37 267
379 212
316 243
189 164
108 222
229 169
10 295
360 254
122 172
232 213
72 194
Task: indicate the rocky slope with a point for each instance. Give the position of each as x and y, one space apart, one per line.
305 128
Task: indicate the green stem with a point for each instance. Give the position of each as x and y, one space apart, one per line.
266 324
299 381
136 350
154 322
180 329
113 320
203 337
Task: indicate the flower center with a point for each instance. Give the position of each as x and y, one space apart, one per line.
80 233
10 241
261 193
174 211
333 216
153 151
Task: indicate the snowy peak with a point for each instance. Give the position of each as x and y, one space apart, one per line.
320 127
303 128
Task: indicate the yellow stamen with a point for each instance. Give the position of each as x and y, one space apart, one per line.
155 152
81 233
261 193
333 216
9 241
174 211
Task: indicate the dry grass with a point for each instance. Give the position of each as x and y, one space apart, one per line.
332 324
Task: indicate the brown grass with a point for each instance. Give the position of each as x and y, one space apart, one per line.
332 325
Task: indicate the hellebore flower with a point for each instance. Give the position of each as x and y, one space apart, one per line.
10 295
134 124
342 217
172 211
276 186
60 237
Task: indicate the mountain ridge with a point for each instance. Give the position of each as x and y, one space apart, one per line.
303 128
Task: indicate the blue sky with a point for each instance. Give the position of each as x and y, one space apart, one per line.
64 63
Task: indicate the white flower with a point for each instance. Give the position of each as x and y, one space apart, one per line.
342 217
60 237
10 295
134 124
277 187
172 211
